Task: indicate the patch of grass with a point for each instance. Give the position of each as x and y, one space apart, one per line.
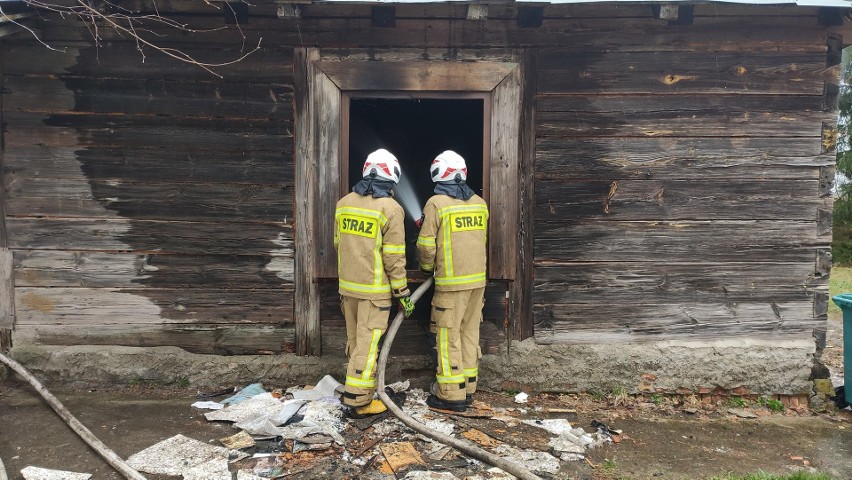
656 398
596 395
182 382
770 403
619 395
737 402
840 282
761 475
608 465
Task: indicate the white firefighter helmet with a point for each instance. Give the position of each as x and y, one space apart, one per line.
384 164
447 166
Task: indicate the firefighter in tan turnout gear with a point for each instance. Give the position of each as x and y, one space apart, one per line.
370 240
451 245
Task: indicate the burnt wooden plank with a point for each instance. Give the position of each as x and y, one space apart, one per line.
151 164
52 268
83 307
683 72
121 59
676 158
149 96
680 241
148 236
327 125
188 134
681 116
214 339
618 322
655 282
755 33
193 201
735 198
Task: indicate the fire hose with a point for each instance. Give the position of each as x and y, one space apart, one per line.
460 445
111 457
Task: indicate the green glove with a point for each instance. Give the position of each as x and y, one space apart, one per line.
406 305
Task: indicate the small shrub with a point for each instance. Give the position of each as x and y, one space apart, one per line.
771 403
736 402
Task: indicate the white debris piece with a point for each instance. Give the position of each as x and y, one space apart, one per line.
324 388
175 455
556 426
400 386
38 473
246 410
429 475
530 459
492 473
290 408
567 450
209 405
521 398
244 475
214 469
323 416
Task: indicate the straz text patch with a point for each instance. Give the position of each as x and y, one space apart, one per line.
356 225
461 222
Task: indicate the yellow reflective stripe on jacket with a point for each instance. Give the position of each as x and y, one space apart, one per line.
426 241
473 278
391 248
471 372
378 265
427 267
397 284
366 380
365 288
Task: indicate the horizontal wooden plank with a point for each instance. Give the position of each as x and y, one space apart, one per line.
756 33
762 241
201 134
212 339
48 268
120 59
151 164
563 71
742 198
147 236
620 322
678 158
123 306
149 96
654 282
681 115
191 201
417 76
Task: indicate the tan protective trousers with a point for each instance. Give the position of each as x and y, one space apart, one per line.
456 317
366 322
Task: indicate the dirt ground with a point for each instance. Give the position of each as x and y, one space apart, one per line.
661 439
670 437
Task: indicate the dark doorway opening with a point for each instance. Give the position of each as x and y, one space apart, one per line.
416 130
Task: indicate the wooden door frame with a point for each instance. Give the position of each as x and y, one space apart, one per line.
319 89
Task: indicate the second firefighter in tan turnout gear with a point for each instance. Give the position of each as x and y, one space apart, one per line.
370 239
452 246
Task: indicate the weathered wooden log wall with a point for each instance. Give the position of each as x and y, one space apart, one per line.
681 184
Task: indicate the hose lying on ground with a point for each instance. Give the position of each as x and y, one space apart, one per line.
460 445
117 463
3 471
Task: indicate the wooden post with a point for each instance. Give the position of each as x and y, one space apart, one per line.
7 270
306 304
521 289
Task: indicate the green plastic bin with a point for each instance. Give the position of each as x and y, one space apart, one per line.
844 301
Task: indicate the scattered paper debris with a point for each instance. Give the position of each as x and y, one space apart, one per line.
38 473
430 475
324 388
247 410
175 455
238 441
530 459
521 398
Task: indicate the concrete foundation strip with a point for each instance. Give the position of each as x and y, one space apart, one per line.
111 457
460 445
